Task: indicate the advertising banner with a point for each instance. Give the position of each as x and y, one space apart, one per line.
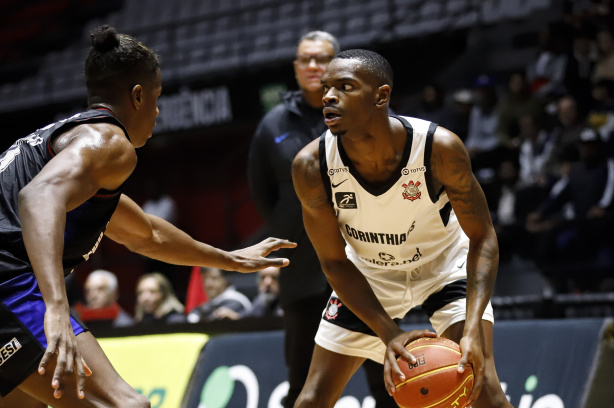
158 366
541 364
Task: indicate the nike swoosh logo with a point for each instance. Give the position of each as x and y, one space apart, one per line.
281 138
338 184
461 265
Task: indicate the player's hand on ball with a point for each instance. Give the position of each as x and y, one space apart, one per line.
395 349
253 258
473 356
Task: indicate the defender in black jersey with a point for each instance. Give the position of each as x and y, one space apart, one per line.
60 192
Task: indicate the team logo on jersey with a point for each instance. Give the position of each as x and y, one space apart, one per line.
332 310
346 200
411 192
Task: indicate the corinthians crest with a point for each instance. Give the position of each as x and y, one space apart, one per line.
411 192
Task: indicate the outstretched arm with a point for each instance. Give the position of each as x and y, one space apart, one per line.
349 283
451 168
156 238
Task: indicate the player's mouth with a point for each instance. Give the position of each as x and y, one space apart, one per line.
331 115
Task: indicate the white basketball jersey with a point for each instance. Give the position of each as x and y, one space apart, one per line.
401 225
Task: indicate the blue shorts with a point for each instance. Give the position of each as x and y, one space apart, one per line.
22 333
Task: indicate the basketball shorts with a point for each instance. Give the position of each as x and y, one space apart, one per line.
438 287
22 334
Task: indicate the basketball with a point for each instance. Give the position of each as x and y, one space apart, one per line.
433 381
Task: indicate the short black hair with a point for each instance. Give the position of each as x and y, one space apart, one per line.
374 63
116 60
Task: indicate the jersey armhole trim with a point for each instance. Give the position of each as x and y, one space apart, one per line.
324 168
428 175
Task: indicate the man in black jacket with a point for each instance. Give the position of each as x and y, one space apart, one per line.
281 134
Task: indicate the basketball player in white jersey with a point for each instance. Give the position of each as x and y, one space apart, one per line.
397 220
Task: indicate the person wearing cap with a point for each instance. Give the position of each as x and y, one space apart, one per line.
574 224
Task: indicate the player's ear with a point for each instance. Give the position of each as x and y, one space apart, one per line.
382 96
136 95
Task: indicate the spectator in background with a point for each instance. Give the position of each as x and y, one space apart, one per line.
536 147
280 135
601 114
225 302
566 135
482 140
432 105
551 71
266 303
582 234
101 294
517 102
604 69
462 102
156 301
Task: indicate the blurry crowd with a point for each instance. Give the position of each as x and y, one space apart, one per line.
156 301
541 141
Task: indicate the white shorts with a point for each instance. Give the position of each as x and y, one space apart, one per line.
439 287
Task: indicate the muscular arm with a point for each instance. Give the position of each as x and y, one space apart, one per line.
321 226
156 238
452 169
90 157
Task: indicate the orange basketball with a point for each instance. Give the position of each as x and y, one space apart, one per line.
433 382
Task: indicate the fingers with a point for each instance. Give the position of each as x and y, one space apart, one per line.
60 367
68 362
478 383
392 371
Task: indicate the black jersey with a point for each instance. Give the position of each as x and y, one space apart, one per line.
85 225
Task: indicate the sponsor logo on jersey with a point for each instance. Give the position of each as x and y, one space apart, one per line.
376 237
385 257
339 183
9 349
87 256
415 170
411 192
332 310
346 200
332 172
378 262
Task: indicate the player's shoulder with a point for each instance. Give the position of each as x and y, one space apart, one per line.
445 140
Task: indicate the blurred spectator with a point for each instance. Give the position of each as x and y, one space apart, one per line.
507 210
101 294
458 122
225 302
604 69
516 103
601 114
582 234
432 106
482 137
156 301
551 71
266 303
536 145
566 135
584 57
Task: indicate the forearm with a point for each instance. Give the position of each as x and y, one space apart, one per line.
43 221
169 244
482 263
355 292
